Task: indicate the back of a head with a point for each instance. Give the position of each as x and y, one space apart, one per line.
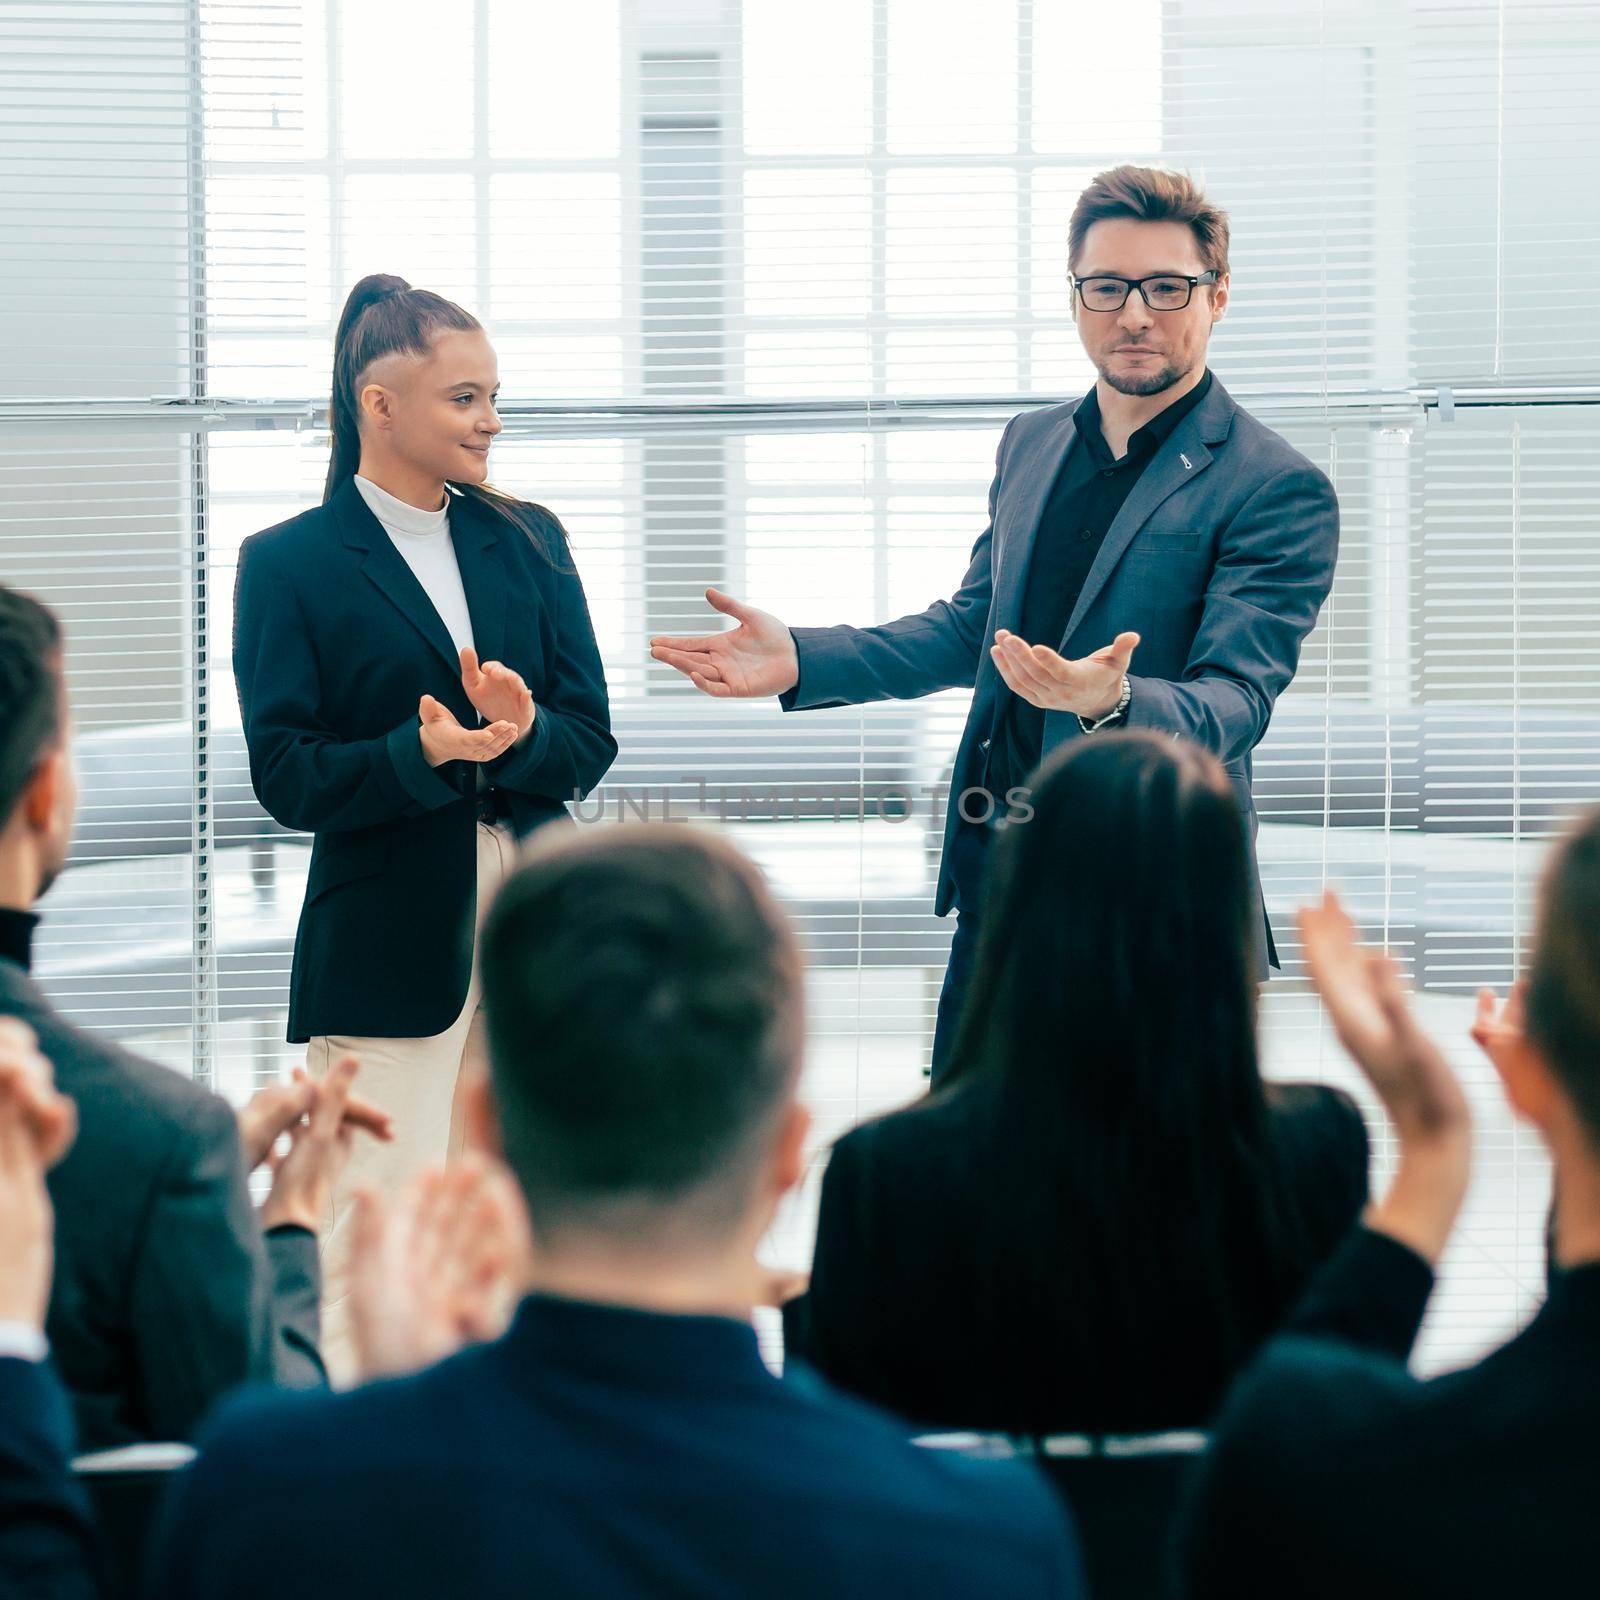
32 710
643 996
1123 929
1110 1032
1563 1018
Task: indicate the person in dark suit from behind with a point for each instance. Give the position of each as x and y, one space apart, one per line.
624 1437
169 1288
47 1541
1098 1216
1334 1471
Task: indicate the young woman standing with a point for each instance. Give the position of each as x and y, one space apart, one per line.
420 687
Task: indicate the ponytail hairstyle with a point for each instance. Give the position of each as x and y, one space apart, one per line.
384 316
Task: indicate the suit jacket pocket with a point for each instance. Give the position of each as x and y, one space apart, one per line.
1149 539
337 859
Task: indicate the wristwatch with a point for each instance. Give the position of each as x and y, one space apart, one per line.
1115 714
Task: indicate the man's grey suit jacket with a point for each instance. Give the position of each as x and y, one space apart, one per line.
1220 559
166 1295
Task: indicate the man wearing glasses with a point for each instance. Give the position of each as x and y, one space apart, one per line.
1153 515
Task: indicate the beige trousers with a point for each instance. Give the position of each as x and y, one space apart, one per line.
418 1082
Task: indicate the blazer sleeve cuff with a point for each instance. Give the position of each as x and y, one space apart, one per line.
822 672
416 781
36 1408
1153 705
522 761
296 1307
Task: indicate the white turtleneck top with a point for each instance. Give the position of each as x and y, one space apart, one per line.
423 538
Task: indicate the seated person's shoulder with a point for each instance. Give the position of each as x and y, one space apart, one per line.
1316 1116
262 1433
130 1109
910 1149
883 1475
1313 1410
921 1128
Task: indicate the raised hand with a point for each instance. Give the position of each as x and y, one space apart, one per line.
755 658
1362 993
1090 687
37 1126
1497 1029
439 1268
498 693
51 1118
444 739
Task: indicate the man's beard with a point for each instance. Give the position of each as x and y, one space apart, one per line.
1144 383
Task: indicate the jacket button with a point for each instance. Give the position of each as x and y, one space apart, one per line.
984 745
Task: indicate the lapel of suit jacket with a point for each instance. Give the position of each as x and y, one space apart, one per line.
1176 465
1033 489
390 572
474 530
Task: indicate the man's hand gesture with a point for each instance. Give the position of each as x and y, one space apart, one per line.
756 658
1089 688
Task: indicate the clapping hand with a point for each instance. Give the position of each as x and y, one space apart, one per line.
304 1176
444 739
1497 1029
497 693
37 1126
756 658
272 1111
439 1268
1362 993
51 1118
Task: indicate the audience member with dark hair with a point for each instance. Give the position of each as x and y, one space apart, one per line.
47 1545
1334 1471
166 1292
624 1437
1100 1213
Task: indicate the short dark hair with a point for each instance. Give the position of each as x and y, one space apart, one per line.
1150 194
32 696
642 991
1563 1019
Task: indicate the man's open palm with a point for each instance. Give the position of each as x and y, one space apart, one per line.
756 658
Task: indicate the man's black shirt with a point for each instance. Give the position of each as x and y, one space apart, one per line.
1088 493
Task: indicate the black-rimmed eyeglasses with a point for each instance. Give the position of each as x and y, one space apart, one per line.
1167 291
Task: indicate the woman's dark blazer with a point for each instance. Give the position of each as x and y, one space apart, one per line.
335 642
926 1298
